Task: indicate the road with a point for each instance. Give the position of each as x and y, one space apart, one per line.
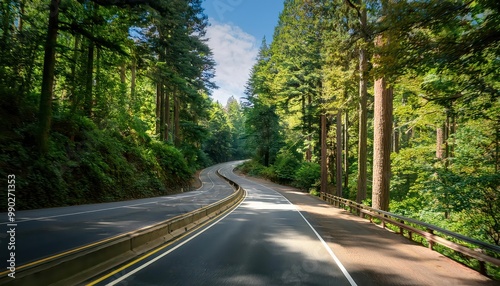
264 241
44 232
267 240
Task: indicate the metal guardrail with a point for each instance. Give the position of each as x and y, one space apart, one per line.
73 266
425 230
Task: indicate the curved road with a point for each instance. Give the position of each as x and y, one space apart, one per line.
44 232
264 241
267 240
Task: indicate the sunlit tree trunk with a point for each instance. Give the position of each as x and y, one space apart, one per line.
439 142
324 155
309 125
45 111
383 103
346 151
167 120
382 144
338 167
363 118
159 110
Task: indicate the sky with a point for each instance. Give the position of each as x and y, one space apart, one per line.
235 34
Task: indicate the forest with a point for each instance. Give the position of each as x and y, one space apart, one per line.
108 100
395 104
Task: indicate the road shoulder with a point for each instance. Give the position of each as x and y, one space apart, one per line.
375 256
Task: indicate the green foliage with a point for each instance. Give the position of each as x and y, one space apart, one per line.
285 167
307 176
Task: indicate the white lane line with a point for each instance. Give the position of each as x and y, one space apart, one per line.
172 249
328 249
119 207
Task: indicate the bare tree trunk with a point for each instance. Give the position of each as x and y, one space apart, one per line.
159 110
395 142
338 166
167 120
382 145
439 142
497 147
309 124
324 155
76 48
133 79
346 151
177 125
123 71
89 80
45 115
363 118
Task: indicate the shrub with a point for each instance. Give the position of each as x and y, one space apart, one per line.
285 167
307 176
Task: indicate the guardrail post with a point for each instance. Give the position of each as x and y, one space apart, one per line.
431 243
482 268
383 221
401 230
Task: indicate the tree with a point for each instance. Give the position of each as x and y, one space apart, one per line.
49 61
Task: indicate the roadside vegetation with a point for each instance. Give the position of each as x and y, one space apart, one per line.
108 100
395 104
398 101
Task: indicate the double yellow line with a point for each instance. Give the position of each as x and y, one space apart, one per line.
160 248
43 260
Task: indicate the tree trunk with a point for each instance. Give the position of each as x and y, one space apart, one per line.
133 78
338 166
49 60
123 71
309 126
73 97
324 155
439 142
382 145
395 143
159 110
167 120
497 147
89 80
177 125
363 118
346 151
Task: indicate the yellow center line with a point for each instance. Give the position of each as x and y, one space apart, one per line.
43 260
162 247
64 253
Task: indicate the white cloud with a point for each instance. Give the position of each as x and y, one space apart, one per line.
235 53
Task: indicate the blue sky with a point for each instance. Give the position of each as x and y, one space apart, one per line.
235 34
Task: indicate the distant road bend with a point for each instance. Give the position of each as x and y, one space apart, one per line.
267 240
264 241
45 232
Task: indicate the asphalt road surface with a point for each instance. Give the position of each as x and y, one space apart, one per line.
264 241
42 233
268 241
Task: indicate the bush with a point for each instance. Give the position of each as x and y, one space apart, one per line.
85 164
285 167
307 176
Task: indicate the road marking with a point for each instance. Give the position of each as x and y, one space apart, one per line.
120 207
328 249
209 172
159 249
